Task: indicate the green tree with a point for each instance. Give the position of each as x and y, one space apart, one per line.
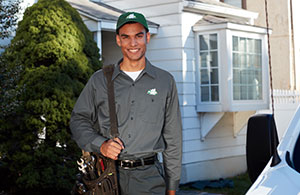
8 17
58 54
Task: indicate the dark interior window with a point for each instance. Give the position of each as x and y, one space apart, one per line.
242 3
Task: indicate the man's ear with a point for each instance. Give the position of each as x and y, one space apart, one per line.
148 37
118 40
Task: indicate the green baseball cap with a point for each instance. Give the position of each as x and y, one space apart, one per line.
129 17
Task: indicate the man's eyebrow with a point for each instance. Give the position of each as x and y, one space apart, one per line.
124 35
140 33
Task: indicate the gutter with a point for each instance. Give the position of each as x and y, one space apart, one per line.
205 8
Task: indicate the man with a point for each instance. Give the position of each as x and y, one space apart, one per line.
148 116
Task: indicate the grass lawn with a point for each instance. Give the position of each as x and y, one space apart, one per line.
241 184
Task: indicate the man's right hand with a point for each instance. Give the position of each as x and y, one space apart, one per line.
112 148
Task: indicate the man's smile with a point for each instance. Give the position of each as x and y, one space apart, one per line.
133 50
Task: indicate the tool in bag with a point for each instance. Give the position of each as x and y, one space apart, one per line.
98 174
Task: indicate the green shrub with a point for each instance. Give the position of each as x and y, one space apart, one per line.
58 55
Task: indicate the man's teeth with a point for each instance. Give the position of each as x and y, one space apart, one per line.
133 50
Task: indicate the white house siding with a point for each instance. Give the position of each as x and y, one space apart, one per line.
220 154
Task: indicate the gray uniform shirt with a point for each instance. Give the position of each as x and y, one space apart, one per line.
149 119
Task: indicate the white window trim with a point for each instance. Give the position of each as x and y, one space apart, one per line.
224 33
203 106
239 105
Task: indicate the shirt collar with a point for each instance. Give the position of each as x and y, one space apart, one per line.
149 69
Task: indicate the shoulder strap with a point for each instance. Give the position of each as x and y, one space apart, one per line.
108 72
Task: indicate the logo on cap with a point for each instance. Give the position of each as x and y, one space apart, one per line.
131 16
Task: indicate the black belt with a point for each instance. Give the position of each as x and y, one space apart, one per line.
127 164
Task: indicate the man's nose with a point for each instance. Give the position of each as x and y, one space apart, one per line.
133 42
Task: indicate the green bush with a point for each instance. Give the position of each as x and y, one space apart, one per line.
58 55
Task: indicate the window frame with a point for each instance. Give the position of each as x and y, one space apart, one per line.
209 84
244 3
237 105
215 105
226 103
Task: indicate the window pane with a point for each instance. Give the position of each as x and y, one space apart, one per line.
244 77
236 3
247 68
251 77
214 93
258 77
242 44
235 43
250 45
259 92
236 92
209 76
214 59
251 60
251 93
204 76
257 61
204 94
235 60
243 60
214 76
203 42
243 93
213 40
258 46
236 76
203 59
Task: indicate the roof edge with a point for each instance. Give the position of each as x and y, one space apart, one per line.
205 8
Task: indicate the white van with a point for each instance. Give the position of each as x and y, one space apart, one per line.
273 171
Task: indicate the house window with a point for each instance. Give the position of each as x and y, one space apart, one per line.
247 68
209 67
236 3
232 68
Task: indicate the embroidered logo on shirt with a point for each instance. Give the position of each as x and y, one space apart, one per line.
152 92
131 16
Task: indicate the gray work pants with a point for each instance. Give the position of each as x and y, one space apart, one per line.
146 180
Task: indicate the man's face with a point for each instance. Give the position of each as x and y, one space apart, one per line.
132 39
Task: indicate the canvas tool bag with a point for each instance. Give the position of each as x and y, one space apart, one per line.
98 173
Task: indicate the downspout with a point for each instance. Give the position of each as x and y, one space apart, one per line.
293 72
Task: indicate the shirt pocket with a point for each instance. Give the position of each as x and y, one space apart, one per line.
152 109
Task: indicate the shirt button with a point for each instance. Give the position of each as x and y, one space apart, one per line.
131 118
132 101
132 84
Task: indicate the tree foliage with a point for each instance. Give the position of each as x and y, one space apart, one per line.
58 54
8 17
